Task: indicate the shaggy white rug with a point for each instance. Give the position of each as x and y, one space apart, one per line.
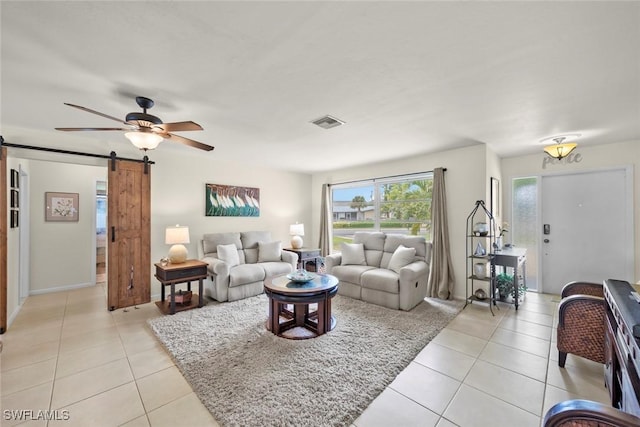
246 376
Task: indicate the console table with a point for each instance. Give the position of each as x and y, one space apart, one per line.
185 272
511 257
304 255
622 346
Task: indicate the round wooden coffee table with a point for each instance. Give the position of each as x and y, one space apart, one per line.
284 293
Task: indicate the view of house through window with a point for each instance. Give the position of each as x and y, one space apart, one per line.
400 205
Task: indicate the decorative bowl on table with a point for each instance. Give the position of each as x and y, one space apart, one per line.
301 276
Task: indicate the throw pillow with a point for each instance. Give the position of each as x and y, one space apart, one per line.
352 254
269 251
401 257
228 254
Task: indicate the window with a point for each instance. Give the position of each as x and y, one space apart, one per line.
399 205
524 227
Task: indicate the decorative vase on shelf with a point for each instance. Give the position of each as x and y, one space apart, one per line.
480 270
480 251
499 243
481 229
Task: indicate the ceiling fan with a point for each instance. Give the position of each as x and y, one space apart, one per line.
144 130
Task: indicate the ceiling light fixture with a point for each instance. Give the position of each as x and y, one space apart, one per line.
144 139
560 149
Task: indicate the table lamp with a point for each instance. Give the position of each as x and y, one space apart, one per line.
296 231
177 236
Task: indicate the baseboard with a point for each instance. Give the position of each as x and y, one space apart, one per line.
60 288
13 316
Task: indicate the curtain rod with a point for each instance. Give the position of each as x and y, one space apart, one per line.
383 177
75 153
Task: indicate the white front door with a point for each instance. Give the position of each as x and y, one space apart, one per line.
589 228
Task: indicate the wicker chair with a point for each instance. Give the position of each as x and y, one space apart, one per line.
581 322
584 413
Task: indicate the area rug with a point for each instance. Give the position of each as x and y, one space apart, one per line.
246 376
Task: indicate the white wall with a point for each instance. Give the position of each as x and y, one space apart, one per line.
62 252
466 181
585 159
178 197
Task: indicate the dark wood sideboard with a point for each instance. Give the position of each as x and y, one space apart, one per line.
622 346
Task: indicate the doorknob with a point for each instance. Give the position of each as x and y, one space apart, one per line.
546 240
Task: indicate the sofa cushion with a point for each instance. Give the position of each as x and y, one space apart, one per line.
276 268
373 242
211 241
394 240
229 254
245 273
402 256
381 279
250 239
352 254
350 273
269 251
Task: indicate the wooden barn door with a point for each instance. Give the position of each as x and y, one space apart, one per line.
129 242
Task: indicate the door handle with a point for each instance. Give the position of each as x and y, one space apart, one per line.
546 240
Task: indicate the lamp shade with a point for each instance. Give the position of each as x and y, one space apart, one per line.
176 235
296 229
144 140
560 151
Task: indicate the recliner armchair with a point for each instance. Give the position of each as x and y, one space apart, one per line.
581 322
585 413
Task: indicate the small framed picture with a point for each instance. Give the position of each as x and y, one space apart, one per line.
15 179
14 218
15 199
61 206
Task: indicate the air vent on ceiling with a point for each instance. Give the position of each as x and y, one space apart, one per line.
327 122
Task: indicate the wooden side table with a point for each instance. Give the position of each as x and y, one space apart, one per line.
186 272
305 255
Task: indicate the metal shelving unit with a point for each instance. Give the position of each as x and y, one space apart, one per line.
476 240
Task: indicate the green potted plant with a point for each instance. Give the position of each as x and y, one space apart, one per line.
504 285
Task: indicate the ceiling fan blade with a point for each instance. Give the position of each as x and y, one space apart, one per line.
179 126
78 129
89 110
187 141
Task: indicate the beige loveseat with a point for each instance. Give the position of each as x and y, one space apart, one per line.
390 270
239 262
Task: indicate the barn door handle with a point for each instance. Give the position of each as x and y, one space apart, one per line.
113 234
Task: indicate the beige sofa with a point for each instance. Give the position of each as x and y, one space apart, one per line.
239 263
390 270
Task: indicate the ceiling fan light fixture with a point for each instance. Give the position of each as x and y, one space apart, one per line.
144 140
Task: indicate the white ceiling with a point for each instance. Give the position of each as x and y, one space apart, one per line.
406 77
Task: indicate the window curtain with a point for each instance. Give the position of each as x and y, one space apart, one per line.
325 221
441 279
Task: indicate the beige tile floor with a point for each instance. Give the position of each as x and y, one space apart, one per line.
64 351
